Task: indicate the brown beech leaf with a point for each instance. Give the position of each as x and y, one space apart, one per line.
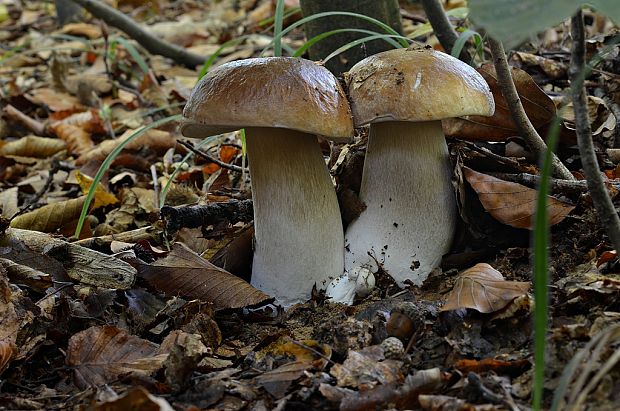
50 217
78 140
158 140
54 100
33 146
513 204
99 355
184 273
136 398
538 106
483 289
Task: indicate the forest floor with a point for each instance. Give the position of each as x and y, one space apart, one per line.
113 320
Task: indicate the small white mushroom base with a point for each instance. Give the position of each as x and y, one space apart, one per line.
299 239
359 282
411 210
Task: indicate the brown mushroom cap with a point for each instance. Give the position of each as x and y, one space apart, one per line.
283 92
416 84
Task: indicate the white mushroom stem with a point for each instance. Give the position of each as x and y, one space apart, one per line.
411 210
298 230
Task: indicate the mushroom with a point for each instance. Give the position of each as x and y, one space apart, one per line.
411 209
282 103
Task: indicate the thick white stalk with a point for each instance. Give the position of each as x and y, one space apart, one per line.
411 208
298 230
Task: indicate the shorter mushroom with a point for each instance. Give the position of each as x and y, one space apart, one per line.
283 103
410 217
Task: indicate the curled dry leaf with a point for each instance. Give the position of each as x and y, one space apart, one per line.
99 355
78 140
538 106
135 399
50 217
483 289
102 196
33 146
52 99
158 140
22 274
513 204
184 273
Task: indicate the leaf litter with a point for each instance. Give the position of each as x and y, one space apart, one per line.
119 319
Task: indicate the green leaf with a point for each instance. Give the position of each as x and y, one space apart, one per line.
513 21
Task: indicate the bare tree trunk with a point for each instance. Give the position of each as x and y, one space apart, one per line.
386 11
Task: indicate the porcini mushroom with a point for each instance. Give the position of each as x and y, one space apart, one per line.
283 103
403 95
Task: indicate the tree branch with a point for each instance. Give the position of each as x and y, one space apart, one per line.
444 31
602 202
153 44
527 130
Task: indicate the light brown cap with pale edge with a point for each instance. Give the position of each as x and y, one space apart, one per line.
283 92
415 84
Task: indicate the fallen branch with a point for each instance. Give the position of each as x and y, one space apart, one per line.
195 216
150 42
602 202
527 130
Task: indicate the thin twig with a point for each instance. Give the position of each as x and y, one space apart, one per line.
602 202
527 130
31 124
210 158
150 42
444 31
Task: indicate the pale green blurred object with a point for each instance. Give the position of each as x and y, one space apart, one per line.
514 21
4 13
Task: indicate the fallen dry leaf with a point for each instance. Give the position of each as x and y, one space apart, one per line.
184 273
78 140
52 99
483 289
136 398
100 355
499 367
102 196
33 146
538 106
158 140
51 217
81 264
513 204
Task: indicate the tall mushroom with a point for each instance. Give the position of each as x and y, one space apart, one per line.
410 216
283 103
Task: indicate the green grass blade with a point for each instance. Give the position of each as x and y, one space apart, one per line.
108 161
137 57
270 20
277 28
403 40
541 266
230 43
354 43
462 39
300 51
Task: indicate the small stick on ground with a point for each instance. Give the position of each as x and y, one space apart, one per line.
602 202
150 42
31 124
444 31
195 216
526 129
